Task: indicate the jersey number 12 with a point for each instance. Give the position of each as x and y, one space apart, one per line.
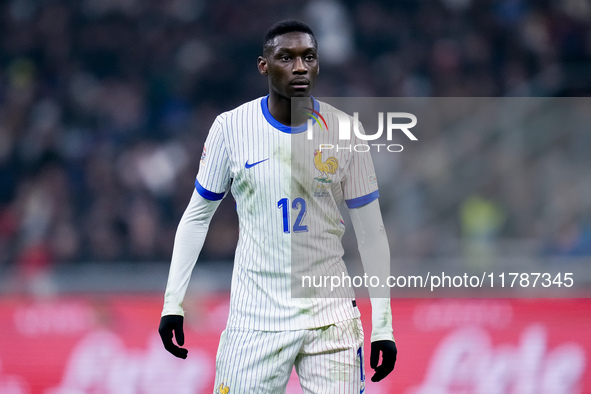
298 204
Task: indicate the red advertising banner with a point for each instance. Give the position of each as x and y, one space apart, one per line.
109 344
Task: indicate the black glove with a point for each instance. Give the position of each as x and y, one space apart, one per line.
168 325
389 352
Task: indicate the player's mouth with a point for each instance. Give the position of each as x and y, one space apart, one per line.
300 84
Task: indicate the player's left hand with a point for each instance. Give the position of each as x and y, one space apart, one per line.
389 352
170 324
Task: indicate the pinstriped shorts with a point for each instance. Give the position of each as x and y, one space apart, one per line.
327 360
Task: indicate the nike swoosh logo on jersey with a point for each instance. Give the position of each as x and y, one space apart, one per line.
246 165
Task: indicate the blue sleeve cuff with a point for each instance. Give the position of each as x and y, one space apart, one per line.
363 200
206 193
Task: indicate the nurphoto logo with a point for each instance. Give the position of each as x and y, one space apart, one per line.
344 126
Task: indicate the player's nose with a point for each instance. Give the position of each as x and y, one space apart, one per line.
299 66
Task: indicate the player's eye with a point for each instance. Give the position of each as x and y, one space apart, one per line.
310 58
285 58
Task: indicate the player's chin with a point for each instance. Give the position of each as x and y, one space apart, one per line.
300 92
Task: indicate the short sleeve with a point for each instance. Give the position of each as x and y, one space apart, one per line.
360 186
213 178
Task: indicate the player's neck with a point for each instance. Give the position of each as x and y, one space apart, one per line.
280 109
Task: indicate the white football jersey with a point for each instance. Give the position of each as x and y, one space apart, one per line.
287 195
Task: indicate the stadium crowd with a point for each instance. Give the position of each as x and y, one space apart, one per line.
105 104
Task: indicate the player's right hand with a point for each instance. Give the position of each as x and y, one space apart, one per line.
168 325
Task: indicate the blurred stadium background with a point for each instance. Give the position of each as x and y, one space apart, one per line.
104 107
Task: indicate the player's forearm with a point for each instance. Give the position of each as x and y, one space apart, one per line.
375 254
375 257
189 240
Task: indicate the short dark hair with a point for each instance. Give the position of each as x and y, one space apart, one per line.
284 27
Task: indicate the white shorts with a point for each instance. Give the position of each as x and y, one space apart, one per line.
327 360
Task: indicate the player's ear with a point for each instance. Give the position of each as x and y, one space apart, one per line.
262 65
318 62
